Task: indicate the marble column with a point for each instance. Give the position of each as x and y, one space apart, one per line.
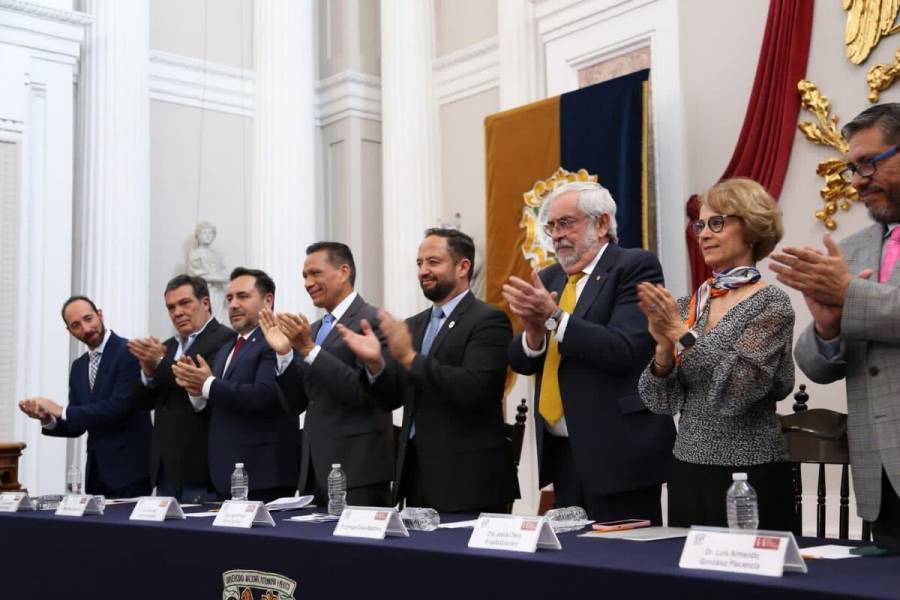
520 59
112 217
283 216
411 146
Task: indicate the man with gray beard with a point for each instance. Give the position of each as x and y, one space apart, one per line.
588 343
852 291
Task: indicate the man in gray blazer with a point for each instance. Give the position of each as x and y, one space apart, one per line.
318 374
852 292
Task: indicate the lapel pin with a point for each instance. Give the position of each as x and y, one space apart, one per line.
452 323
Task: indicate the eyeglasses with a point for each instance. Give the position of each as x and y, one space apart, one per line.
563 225
715 223
867 168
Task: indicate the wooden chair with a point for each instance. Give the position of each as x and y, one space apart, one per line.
819 436
515 432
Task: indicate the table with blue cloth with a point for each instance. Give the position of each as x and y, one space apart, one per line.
46 556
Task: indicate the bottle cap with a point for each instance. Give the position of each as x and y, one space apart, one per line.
238 465
739 477
335 465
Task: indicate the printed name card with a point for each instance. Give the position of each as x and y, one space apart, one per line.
78 505
243 513
156 508
748 551
15 501
370 522
513 533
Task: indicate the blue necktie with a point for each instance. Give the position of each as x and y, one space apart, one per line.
325 329
434 326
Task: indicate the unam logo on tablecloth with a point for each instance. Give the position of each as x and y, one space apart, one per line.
256 585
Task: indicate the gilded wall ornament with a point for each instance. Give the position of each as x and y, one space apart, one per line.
867 22
837 193
537 247
881 77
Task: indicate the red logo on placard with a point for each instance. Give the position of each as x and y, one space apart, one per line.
381 516
529 525
767 543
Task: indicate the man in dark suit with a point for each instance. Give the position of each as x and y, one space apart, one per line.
248 423
179 464
101 402
321 376
448 371
588 343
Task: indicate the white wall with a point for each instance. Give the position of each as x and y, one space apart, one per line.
218 30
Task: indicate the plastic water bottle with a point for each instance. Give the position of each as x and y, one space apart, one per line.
240 482
570 518
337 490
743 512
73 480
420 519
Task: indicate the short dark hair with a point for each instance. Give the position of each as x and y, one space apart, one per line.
459 244
884 116
264 283
198 284
338 254
75 299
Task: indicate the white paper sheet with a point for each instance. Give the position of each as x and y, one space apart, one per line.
829 551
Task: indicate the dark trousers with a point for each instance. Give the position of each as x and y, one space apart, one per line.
697 494
132 490
412 494
886 528
375 494
642 503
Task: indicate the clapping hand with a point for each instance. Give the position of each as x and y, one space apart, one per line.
190 375
365 346
149 351
274 335
399 340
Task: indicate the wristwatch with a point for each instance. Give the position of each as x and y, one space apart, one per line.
686 341
553 320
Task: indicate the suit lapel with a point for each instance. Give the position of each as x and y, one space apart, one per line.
346 320
596 280
869 256
450 322
245 350
107 358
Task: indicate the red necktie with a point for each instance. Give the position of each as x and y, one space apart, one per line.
237 347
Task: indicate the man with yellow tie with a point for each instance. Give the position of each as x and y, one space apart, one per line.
587 341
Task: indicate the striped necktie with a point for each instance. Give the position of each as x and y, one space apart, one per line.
94 358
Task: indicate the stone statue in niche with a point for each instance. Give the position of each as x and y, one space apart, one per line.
203 261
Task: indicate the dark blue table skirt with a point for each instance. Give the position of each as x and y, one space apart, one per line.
45 556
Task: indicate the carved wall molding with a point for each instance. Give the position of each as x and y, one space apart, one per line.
467 72
348 94
195 82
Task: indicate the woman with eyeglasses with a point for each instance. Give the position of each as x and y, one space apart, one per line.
723 361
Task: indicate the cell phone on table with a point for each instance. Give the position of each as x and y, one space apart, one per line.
620 525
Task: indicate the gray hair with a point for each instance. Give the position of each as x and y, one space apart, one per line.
884 116
594 200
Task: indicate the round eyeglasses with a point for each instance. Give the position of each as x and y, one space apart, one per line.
715 223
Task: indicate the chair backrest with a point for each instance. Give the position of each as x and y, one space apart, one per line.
818 436
515 432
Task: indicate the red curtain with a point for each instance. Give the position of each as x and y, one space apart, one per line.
764 147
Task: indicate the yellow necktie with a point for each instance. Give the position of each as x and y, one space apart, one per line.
550 405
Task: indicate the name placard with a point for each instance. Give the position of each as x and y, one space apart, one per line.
514 533
78 505
753 552
243 513
370 522
15 501
156 508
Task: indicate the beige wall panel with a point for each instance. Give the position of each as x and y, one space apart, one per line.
461 23
187 188
370 254
462 151
178 26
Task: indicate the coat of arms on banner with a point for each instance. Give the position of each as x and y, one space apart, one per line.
256 585
538 247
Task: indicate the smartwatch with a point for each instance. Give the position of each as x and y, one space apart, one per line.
553 320
686 341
